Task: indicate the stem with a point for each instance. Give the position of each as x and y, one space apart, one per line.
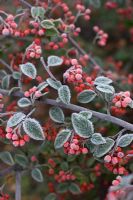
25 3
76 108
18 186
47 68
6 65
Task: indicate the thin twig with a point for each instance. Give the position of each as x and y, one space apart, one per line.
6 65
18 186
47 68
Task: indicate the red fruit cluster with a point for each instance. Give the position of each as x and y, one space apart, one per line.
85 12
16 139
86 186
57 44
122 99
33 51
36 29
118 111
114 162
76 76
1 104
64 176
4 196
111 5
2 132
75 146
101 36
9 26
117 181
50 131
33 92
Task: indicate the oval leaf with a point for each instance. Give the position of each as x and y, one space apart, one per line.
102 80
15 119
29 70
74 188
21 160
125 140
6 157
61 138
24 102
51 196
102 149
5 82
86 96
82 126
33 129
97 139
48 24
106 89
64 94
54 61
37 175
56 114
54 84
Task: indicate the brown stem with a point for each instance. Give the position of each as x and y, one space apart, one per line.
18 186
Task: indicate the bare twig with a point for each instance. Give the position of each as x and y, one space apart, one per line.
18 186
47 68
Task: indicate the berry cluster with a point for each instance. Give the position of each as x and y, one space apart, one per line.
4 196
17 139
50 131
75 146
101 36
111 5
64 176
36 28
1 104
86 186
54 45
85 12
8 26
33 51
114 162
2 132
117 181
122 99
33 92
76 75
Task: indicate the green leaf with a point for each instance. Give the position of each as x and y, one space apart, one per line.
13 90
86 114
42 86
15 119
62 187
51 196
102 149
7 158
105 89
37 12
74 188
16 75
86 96
51 32
56 114
102 80
64 94
82 126
33 129
125 140
54 61
97 139
61 138
37 175
54 84
29 70
24 102
21 160
47 24
5 82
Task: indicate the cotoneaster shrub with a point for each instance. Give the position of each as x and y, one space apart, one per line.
66 127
